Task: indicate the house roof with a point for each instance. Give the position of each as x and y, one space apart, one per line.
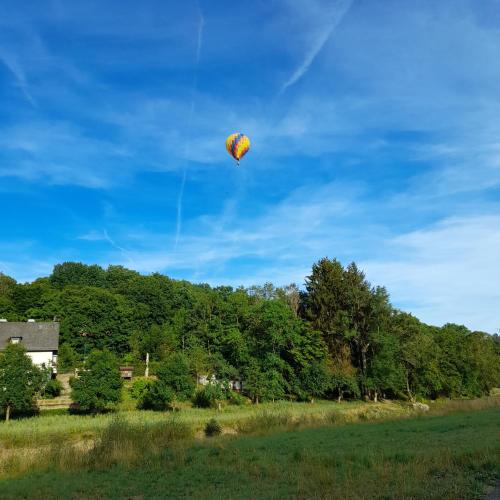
34 336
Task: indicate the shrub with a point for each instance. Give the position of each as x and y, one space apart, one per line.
156 396
213 428
52 389
139 387
209 396
235 398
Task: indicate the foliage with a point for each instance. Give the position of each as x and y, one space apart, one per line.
66 359
99 384
139 387
52 389
175 373
315 381
156 396
237 399
209 396
213 428
20 381
274 339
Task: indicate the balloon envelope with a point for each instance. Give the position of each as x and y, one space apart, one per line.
237 145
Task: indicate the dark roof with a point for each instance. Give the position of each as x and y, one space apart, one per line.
35 336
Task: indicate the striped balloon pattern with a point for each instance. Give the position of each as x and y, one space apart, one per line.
237 146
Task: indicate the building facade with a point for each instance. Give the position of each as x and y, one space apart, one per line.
41 340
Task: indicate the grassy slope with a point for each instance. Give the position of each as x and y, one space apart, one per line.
451 456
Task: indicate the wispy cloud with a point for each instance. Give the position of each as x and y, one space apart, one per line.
60 153
333 15
199 41
387 133
17 71
445 272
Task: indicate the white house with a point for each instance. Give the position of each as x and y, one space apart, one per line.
41 340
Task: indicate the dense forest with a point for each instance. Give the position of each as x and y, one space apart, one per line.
338 338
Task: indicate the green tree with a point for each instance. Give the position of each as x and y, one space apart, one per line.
99 385
20 380
315 381
76 273
95 318
385 372
255 381
419 355
156 396
66 359
347 310
7 306
175 373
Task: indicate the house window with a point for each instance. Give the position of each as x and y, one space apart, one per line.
15 340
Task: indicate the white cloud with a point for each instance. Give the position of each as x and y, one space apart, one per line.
448 272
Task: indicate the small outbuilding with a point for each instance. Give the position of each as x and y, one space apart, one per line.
126 372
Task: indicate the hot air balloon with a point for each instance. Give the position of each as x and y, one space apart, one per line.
237 146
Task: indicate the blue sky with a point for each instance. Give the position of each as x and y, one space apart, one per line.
375 137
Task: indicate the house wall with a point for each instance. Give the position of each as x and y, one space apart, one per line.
41 357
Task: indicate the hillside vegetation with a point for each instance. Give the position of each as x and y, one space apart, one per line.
338 338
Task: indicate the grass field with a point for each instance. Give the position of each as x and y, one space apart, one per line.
60 425
282 451
453 456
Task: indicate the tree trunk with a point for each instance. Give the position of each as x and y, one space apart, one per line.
7 413
375 396
410 395
364 366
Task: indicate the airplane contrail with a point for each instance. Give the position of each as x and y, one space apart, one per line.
12 65
337 13
201 25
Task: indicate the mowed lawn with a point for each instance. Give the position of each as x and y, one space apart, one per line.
453 456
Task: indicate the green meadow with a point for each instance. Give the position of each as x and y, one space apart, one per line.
321 450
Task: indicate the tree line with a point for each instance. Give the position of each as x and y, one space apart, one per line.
338 337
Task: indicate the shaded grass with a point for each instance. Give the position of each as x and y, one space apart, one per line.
452 456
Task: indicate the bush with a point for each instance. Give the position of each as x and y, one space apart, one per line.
52 389
209 396
235 398
156 396
213 428
139 387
